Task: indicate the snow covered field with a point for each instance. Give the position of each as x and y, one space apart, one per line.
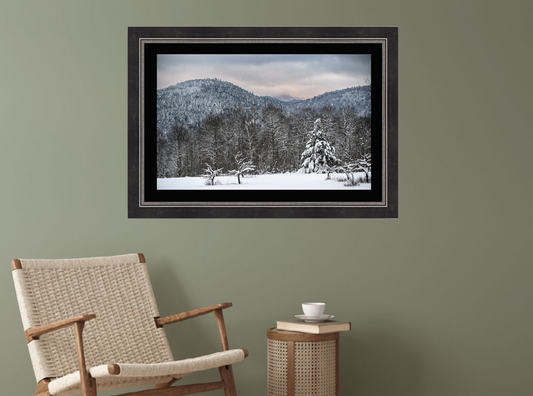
280 181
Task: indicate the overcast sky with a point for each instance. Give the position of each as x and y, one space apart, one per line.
302 76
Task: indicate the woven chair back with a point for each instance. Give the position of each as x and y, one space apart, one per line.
117 289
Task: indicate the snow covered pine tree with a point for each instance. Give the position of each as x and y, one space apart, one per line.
318 154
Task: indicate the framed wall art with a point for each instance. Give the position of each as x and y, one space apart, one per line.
263 122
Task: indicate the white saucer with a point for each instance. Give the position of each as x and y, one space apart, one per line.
314 319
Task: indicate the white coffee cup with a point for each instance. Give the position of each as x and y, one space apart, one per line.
313 308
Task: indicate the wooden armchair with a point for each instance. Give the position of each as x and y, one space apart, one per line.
118 339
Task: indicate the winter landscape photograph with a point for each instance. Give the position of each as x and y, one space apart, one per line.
264 122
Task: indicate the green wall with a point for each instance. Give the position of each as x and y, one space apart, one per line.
439 299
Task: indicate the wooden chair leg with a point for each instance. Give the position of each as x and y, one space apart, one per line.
42 388
226 373
166 385
88 383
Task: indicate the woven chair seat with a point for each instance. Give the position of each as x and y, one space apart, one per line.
143 374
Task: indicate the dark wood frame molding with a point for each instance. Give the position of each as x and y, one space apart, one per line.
335 206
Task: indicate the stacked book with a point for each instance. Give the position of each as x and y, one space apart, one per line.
328 326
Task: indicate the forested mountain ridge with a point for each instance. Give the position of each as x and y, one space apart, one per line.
212 123
190 102
356 97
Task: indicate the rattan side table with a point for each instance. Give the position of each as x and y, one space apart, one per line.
302 364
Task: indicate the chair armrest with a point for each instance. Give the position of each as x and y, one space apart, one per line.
88 385
34 333
160 322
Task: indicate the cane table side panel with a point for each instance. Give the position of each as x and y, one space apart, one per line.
301 364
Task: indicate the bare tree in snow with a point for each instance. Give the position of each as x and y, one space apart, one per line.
211 174
243 167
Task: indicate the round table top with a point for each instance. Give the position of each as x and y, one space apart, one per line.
284 335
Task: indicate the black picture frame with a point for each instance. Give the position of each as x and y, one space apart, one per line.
145 201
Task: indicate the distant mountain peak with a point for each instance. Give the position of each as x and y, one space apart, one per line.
287 98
